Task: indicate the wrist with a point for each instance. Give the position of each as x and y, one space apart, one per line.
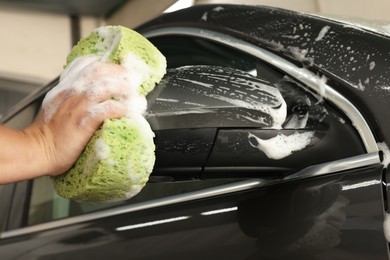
36 153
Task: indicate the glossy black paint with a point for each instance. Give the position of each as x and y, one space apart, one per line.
318 218
233 154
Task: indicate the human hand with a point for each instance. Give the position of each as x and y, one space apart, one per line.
89 92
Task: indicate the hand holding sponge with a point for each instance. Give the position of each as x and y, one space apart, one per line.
119 158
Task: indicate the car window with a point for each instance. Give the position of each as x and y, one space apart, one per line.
24 117
183 51
228 151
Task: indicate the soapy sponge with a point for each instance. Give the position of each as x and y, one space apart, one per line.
115 44
119 158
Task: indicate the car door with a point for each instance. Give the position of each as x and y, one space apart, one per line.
226 198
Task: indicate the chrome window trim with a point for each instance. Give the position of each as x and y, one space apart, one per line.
336 166
314 82
312 171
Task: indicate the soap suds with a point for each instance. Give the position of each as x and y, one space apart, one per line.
69 84
322 33
137 69
300 54
218 8
372 65
281 145
102 150
278 114
232 88
360 86
204 17
386 153
386 161
110 41
83 76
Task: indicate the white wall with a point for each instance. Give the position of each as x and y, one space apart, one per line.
135 13
34 45
372 10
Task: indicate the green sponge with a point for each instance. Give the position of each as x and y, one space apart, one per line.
119 158
115 44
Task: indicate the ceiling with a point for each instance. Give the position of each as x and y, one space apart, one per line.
101 8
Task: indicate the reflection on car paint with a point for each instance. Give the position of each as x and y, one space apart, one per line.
152 223
326 230
218 211
360 185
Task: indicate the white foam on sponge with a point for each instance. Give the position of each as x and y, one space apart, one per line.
111 39
137 69
102 149
281 146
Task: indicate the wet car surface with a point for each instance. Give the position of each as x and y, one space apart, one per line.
270 144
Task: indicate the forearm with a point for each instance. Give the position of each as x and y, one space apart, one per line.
20 156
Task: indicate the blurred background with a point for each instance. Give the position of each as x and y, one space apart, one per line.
37 35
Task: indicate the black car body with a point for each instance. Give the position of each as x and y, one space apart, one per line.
242 81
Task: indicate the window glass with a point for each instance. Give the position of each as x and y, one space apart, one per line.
24 117
184 51
12 91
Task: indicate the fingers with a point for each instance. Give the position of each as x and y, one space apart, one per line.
77 66
110 88
97 113
90 68
97 81
85 72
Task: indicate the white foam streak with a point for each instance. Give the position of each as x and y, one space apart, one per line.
281 145
278 114
322 33
386 153
102 149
